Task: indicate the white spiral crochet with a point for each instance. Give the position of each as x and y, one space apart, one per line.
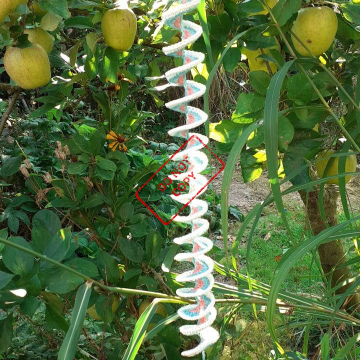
203 311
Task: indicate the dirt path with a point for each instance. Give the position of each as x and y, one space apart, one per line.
246 196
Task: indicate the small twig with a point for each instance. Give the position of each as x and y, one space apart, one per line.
9 88
7 113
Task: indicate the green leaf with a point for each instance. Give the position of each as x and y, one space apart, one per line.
153 244
10 166
126 211
46 225
225 131
271 130
105 164
30 305
92 201
299 89
6 333
286 132
107 267
248 103
351 12
131 250
15 260
260 81
5 278
231 59
61 281
251 166
110 65
285 9
140 331
58 7
325 350
341 354
227 179
293 162
69 346
77 168
79 22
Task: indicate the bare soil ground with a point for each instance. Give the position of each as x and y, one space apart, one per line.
246 196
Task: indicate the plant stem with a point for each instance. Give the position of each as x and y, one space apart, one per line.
7 113
87 278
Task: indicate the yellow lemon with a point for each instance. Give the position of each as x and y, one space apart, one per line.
9 6
114 306
315 27
271 4
259 64
41 37
159 310
29 67
324 157
119 28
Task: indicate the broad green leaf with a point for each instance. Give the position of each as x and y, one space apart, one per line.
231 59
107 266
220 26
126 211
77 168
17 261
68 348
58 7
79 22
92 201
247 104
10 166
225 131
110 65
131 250
6 333
46 224
5 278
260 81
351 12
285 9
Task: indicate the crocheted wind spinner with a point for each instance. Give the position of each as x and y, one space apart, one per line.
203 311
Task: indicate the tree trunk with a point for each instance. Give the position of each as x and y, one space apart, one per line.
332 254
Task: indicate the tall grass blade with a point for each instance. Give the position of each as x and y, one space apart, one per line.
69 346
139 333
271 137
289 260
228 175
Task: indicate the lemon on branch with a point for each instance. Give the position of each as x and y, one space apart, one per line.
159 310
28 67
333 169
316 28
119 27
114 306
271 4
256 63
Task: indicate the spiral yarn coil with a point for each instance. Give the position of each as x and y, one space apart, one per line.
203 311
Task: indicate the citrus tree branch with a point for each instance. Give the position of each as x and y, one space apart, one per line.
322 99
7 113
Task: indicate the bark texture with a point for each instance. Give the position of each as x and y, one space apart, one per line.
332 254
